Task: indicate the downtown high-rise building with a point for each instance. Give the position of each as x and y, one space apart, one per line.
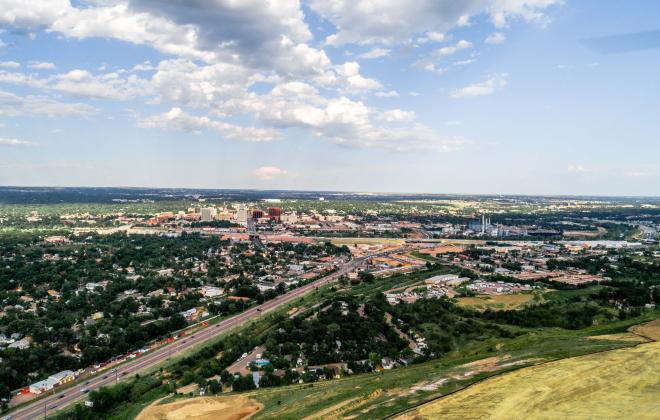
242 215
208 214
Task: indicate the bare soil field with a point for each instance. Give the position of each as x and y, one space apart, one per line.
188 388
623 383
202 408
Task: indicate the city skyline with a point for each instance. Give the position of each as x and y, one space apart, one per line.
542 97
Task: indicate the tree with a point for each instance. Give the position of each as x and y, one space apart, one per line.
244 383
214 386
374 358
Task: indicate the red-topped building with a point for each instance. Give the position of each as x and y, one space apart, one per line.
274 213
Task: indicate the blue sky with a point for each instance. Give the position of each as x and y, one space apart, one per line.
480 96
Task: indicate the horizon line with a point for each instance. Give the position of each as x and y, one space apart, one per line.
337 191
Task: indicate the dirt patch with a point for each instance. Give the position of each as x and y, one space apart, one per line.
469 370
188 389
627 337
428 386
202 408
489 364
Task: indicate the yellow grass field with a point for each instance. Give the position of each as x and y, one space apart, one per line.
616 384
202 408
497 301
650 330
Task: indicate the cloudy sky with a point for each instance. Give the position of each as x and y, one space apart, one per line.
444 96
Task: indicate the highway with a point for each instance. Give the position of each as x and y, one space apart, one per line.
66 397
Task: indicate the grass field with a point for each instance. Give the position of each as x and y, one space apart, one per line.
563 295
378 395
621 383
650 330
513 301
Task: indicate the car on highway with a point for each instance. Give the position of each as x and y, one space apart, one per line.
59 397
84 390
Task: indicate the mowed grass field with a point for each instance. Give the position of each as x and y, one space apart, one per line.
497 302
623 383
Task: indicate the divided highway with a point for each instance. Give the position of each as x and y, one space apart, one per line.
66 397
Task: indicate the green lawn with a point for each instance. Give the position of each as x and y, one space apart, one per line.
562 295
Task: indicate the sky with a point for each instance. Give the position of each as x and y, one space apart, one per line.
436 96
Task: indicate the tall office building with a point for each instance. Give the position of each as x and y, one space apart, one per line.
208 214
241 215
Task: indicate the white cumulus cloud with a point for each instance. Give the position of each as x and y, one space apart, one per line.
397 21
576 168
495 38
9 65
12 105
375 53
266 173
176 118
487 87
14 142
387 94
41 65
226 62
452 49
